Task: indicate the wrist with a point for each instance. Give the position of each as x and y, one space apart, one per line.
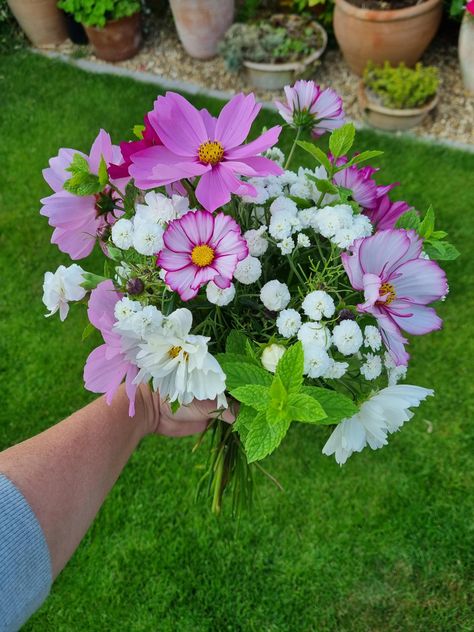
147 410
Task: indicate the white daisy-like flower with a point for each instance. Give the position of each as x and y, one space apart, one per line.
271 356
314 334
256 242
275 295
382 414
318 304
148 238
286 246
248 270
122 234
219 296
372 337
316 361
303 241
336 370
347 337
179 363
288 323
372 367
63 286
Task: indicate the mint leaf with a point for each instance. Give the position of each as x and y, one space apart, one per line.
138 131
317 153
341 140
79 164
103 173
88 330
363 157
263 438
336 405
114 253
243 372
305 408
277 410
253 395
175 406
235 342
91 281
323 186
83 184
409 221
426 227
290 368
244 420
441 250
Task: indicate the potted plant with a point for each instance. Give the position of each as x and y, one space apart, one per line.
466 40
112 26
273 52
41 20
385 30
398 98
201 24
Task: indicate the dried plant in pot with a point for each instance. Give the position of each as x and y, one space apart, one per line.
398 98
112 26
274 52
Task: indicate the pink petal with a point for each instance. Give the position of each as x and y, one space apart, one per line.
235 120
172 261
393 339
351 264
181 280
210 123
415 319
420 280
157 166
176 239
262 143
178 124
213 189
102 301
255 166
102 375
372 285
198 226
378 253
225 266
131 388
101 147
202 276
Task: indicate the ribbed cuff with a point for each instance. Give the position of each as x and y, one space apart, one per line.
25 563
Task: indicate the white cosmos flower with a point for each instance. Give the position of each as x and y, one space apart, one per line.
148 238
122 234
179 363
318 304
219 296
275 295
347 337
378 416
288 322
63 286
271 356
248 270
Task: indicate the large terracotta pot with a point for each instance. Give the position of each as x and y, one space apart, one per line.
118 40
43 23
466 51
201 24
395 36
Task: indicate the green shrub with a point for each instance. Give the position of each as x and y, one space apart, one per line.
402 87
99 12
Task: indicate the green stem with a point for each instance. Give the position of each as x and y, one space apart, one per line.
191 193
293 147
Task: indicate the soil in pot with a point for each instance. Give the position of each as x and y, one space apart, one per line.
118 40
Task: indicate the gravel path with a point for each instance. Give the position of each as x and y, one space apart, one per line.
162 53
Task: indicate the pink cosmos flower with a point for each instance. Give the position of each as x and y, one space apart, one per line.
307 105
386 213
470 7
78 220
198 144
398 285
127 149
107 366
365 190
201 247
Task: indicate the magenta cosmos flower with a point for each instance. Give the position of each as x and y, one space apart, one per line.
78 221
107 366
128 149
470 7
201 247
197 144
398 285
365 190
308 106
386 213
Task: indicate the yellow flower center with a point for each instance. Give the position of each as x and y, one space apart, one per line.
174 352
211 152
202 256
387 291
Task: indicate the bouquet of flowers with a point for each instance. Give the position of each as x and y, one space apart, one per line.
229 277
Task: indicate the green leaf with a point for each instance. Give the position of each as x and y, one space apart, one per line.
426 227
91 281
305 408
362 157
336 405
83 184
131 193
254 395
103 173
175 406
263 438
78 164
88 330
438 234
244 420
235 342
114 253
277 410
441 250
341 140
324 186
409 221
138 131
317 153
290 368
243 372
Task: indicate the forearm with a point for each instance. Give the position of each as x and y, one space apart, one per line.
66 472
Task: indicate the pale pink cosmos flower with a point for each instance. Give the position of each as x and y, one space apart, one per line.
107 366
78 221
308 105
198 144
201 247
398 284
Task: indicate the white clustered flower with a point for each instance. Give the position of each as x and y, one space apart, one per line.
219 296
331 219
256 243
307 217
122 234
275 295
271 356
362 226
286 246
395 373
336 370
248 270
273 186
63 286
382 414
281 225
318 304
259 213
344 237
347 337
148 238
314 334
372 366
284 205
276 154
160 209
262 194
125 308
303 241
135 323
316 361
372 338
288 322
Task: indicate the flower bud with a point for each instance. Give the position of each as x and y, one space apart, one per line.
135 286
271 356
345 314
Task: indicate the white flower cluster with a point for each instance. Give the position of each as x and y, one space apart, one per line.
145 231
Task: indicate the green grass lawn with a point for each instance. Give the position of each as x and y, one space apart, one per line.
384 543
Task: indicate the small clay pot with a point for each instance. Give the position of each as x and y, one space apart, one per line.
118 40
41 20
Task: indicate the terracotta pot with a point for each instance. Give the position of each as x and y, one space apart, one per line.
466 51
43 23
392 119
118 40
395 36
201 24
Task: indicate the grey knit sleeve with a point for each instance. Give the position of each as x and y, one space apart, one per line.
25 564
